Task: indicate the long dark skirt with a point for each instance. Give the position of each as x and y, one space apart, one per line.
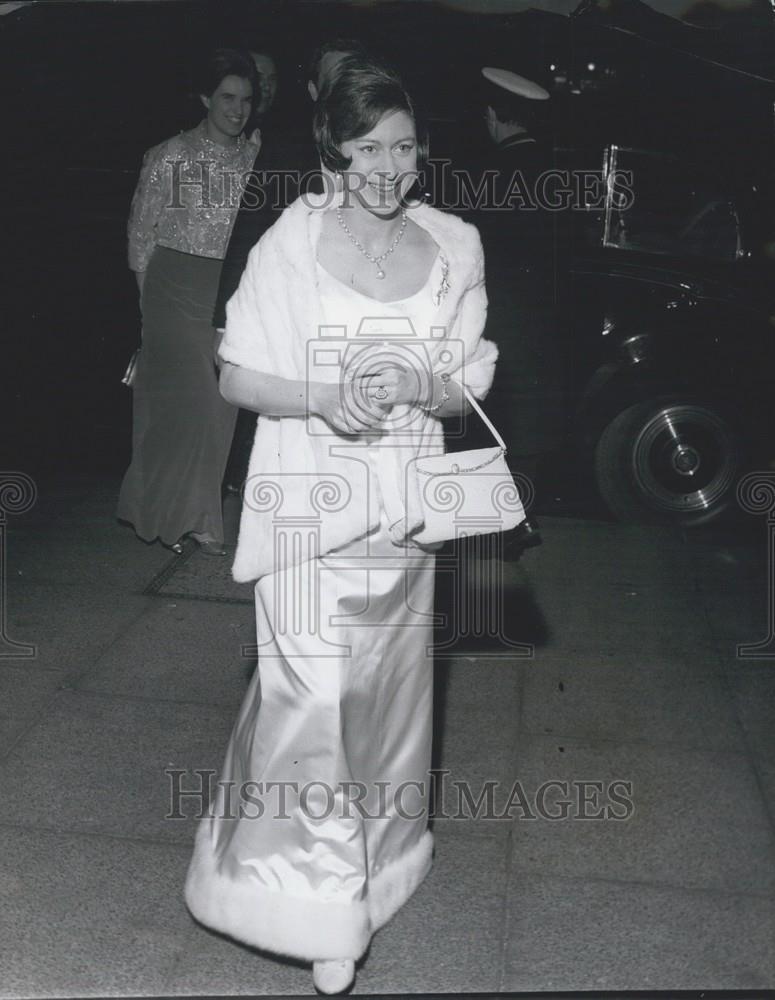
182 427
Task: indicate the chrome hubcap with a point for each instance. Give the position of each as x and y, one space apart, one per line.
684 458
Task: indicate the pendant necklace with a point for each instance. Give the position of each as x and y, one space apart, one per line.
377 261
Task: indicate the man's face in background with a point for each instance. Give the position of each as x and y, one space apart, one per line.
267 78
326 67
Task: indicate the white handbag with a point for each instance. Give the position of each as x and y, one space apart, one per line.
467 492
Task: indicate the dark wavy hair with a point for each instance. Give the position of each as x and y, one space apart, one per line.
363 92
222 63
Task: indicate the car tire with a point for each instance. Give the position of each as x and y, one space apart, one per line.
672 459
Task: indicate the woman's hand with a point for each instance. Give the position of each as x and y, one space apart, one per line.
345 408
388 385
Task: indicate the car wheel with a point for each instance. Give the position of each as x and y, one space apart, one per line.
669 459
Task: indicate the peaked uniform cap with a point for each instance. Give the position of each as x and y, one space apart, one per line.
515 84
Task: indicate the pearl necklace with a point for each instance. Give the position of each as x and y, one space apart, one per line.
377 261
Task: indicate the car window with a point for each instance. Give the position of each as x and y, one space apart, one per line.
667 207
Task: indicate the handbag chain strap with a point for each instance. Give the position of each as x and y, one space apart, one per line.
454 467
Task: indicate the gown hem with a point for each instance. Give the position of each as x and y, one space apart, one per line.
297 927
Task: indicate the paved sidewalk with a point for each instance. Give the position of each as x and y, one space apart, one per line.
634 679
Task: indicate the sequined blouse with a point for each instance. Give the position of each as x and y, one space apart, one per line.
187 196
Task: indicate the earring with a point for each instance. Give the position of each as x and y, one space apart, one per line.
416 193
340 196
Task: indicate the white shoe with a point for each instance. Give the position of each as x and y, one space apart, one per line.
333 975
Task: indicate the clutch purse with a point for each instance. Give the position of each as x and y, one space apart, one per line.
467 492
131 369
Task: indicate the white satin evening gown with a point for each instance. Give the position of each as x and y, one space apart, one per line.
339 710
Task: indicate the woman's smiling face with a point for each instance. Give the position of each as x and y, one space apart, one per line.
228 107
383 162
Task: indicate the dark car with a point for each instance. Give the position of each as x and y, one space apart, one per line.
664 280
672 342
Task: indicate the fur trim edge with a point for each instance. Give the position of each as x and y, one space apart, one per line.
295 926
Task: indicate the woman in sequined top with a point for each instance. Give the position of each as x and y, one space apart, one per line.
181 218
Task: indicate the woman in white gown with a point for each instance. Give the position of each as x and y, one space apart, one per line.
357 319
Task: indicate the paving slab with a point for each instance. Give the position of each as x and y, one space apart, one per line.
210 964
70 626
448 937
629 696
24 696
754 700
765 773
93 551
698 818
621 554
731 574
89 916
730 660
753 688
574 934
737 615
97 764
478 682
613 614
207 578
724 557
180 651
476 726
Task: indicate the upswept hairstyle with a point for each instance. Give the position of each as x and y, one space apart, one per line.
334 72
347 46
222 63
362 93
